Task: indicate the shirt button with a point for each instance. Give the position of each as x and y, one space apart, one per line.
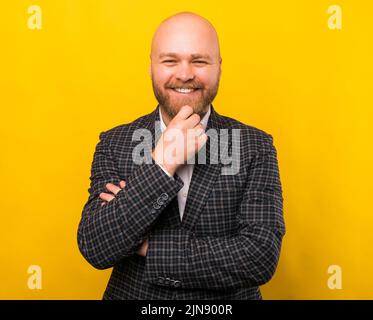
185 194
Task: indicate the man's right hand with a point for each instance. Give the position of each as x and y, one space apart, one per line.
182 139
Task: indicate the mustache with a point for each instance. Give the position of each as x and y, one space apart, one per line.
189 86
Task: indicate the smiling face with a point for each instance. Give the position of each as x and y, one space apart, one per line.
185 64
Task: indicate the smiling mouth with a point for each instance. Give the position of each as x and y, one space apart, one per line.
185 90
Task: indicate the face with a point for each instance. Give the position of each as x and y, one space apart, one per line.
185 68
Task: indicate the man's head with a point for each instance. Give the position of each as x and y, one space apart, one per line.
185 55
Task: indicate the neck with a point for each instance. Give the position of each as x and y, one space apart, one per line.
165 117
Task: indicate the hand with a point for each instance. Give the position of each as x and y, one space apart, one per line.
143 249
190 137
107 197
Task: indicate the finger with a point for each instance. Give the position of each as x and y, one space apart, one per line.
196 131
106 196
102 203
122 184
199 129
199 126
112 188
192 121
184 112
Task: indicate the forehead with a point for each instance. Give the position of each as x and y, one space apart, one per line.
185 41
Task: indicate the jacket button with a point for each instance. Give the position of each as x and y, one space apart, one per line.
160 201
164 196
156 206
160 280
177 283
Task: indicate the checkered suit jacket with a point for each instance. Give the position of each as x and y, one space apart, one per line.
228 242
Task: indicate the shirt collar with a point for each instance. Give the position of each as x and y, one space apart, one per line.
204 120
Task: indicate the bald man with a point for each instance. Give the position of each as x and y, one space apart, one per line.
167 209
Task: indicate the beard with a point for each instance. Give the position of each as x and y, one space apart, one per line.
199 100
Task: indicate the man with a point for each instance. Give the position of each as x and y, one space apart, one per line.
170 228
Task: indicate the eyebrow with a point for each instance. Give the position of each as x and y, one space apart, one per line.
193 55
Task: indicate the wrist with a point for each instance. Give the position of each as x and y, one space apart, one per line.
170 168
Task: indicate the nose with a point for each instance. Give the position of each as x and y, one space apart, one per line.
184 72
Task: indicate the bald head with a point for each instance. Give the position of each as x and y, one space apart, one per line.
187 31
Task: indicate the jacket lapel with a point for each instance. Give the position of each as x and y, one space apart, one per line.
204 176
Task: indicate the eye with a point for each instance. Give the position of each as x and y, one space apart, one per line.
200 62
169 61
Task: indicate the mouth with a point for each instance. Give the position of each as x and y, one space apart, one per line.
185 90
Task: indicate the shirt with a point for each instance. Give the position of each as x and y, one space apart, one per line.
184 171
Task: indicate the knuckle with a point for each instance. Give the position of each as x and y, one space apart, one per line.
196 117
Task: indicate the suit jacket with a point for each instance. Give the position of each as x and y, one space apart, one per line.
228 242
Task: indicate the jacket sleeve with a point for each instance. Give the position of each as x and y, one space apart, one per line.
109 233
176 257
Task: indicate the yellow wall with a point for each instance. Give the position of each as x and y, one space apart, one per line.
284 71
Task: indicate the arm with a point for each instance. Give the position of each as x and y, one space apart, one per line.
109 233
246 259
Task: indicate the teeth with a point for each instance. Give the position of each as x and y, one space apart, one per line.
182 90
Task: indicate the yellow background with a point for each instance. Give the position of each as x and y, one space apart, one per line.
284 71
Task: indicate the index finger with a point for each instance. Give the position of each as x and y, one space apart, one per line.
184 112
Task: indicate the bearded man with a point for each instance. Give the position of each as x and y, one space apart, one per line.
172 227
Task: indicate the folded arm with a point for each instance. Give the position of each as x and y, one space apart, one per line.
109 233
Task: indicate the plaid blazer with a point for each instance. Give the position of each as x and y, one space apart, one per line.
228 242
